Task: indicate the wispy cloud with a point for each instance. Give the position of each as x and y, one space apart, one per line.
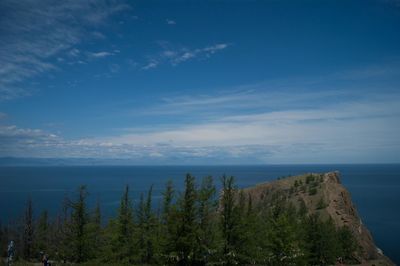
178 56
34 33
345 130
287 121
171 22
151 64
100 54
267 122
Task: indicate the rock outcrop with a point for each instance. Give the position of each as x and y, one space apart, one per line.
324 194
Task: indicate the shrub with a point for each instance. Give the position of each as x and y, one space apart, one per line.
312 191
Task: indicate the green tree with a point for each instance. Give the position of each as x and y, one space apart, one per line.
60 233
79 221
283 237
242 232
169 220
123 246
228 220
323 248
348 244
28 233
146 229
302 210
207 205
321 204
186 225
168 197
42 232
95 233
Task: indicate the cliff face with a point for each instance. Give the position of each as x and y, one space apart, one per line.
323 194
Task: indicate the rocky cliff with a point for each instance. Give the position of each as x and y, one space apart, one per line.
323 194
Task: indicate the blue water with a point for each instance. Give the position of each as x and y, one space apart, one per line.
375 189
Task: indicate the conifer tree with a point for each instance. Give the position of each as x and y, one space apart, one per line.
169 225
28 231
42 233
149 228
348 244
207 205
254 228
229 220
168 196
79 221
323 248
95 232
141 219
146 228
61 234
123 245
240 231
187 228
283 241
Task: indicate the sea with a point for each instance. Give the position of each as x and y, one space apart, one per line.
375 189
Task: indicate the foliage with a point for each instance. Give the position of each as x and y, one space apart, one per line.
28 231
195 226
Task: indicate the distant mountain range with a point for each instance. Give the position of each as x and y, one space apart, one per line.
17 161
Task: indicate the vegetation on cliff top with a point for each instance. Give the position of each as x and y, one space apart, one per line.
197 226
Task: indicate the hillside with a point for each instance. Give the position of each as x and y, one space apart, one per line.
323 194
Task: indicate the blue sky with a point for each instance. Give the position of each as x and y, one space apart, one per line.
201 82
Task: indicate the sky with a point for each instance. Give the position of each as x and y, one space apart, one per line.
201 82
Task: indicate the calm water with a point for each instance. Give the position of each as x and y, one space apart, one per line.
375 189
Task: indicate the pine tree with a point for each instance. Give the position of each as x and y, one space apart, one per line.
146 228
283 240
302 211
95 232
348 245
253 234
228 220
322 241
168 196
321 204
240 240
79 221
141 237
42 233
60 236
169 225
123 244
187 227
28 231
207 205
97 215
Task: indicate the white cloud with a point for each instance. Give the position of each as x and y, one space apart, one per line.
100 54
150 65
34 33
178 56
331 125
247 124
351 132
187 54
74 52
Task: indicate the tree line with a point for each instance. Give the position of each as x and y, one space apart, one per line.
196 226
